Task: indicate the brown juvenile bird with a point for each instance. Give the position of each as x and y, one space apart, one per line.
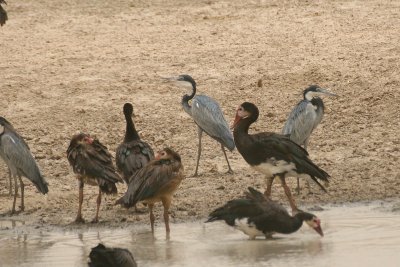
93 165
156 182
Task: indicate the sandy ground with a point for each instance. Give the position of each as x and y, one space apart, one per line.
69 66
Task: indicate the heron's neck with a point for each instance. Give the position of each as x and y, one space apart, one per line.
131 133
187 98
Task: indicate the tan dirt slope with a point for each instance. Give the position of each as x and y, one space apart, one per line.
69 66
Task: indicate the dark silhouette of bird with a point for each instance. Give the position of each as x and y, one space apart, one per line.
92 163
3 13
208 116
133 154
305 117
256 215
102 256
273 154
20 161
156 182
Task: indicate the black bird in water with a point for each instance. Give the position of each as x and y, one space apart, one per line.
273 154
133 153
93 165
3 13
102 256
208 116
256 215
305 117
156 182
20 161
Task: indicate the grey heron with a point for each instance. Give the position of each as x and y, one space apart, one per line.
3 13
102 256
156 182
20 161
257 215
133 153
92 163
305 117
272 154
208 116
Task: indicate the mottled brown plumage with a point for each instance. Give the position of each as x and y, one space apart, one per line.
156 182
93 165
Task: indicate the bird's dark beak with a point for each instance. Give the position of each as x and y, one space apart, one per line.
318 229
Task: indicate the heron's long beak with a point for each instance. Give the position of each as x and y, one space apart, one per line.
326 92
168 79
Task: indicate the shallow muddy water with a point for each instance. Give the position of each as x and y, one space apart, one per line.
355 235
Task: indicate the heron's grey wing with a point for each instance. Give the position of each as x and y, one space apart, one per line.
3 15
300 122
20 160
208 116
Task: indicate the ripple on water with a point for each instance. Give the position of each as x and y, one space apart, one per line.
355 235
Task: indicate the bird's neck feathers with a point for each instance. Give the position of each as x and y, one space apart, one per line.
131 133
291 225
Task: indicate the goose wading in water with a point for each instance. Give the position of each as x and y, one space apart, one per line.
256 215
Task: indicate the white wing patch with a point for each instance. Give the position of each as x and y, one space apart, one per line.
272 167
247 228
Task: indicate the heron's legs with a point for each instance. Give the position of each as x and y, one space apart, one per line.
152 217
22 192
96 218
15 193
288 195
200 133
166 203
10 182
270 180
79 218
227 161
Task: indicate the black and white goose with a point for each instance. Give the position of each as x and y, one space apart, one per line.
273 154
256 215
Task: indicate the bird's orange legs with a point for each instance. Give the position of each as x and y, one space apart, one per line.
98 201
166 203
152 217
79 218
289 195
270 180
